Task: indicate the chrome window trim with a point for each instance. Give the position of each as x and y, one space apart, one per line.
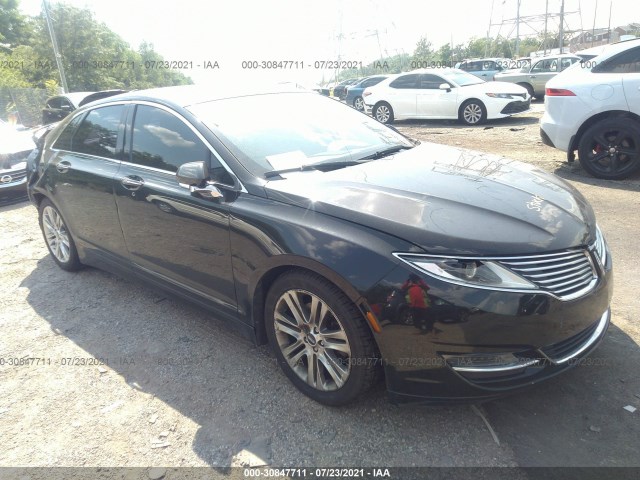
168 110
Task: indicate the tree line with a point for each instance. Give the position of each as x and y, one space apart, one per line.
93 56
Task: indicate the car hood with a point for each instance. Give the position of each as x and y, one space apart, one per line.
494 87
449 200
14 141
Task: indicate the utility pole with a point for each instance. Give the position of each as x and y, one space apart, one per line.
517 52
593 28
561 39
546 17
56 53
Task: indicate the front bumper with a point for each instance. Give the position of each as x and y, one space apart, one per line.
13 186
472 344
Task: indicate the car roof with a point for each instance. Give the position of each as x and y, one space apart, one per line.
616 48
558 55
185 95
73 97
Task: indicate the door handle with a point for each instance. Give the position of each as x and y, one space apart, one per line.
63 166
532 76
132 182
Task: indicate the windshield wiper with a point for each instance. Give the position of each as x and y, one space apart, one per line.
313 166
386 152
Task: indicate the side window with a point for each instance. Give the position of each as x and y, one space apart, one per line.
473 67
544 66
430 82
64 140
405 81
54 102
98 132
489 66
626 62
161 140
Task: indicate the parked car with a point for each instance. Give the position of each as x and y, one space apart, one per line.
483 68
15 147
354 92
60 106
445 94
541 71
225 199
596 111
340 90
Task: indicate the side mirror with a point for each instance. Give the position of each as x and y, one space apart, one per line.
445 86
193 173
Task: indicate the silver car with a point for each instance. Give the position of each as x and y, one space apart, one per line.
535 76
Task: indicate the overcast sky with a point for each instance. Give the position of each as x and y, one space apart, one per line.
358 30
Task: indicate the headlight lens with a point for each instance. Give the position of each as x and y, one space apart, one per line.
601 246
499 95
471 272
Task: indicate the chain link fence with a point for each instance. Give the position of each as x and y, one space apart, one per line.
22 105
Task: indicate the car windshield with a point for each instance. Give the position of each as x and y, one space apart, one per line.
289 130
462 78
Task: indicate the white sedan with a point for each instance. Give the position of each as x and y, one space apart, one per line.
443 94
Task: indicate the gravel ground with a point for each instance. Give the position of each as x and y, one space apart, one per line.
123 376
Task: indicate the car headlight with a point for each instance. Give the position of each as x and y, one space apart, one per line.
601 246
468 271
499 95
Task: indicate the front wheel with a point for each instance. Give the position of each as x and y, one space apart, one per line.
610 149
358 104
473 112
319 338
57 237
383 113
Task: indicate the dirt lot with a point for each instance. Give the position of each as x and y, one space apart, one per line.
178 389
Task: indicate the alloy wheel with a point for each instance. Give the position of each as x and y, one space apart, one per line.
383 114
472 113
56 234
312 340
359 103
613 152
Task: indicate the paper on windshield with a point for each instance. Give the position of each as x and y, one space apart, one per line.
283 161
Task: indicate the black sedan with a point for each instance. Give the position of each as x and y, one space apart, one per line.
59 106
350 249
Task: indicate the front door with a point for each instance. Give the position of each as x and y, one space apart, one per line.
171 234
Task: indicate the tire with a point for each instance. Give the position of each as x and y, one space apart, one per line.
529 89
57 237
332 361
358 104
473 112
610 149
383 113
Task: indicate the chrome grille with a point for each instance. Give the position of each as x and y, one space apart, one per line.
566 274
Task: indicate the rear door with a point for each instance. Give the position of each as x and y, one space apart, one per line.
433 102
172 235
627 66
541 72
86 158
403 93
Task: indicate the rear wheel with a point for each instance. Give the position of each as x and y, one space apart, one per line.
57 237
610 149
383 113
319 338
473 112
358 104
